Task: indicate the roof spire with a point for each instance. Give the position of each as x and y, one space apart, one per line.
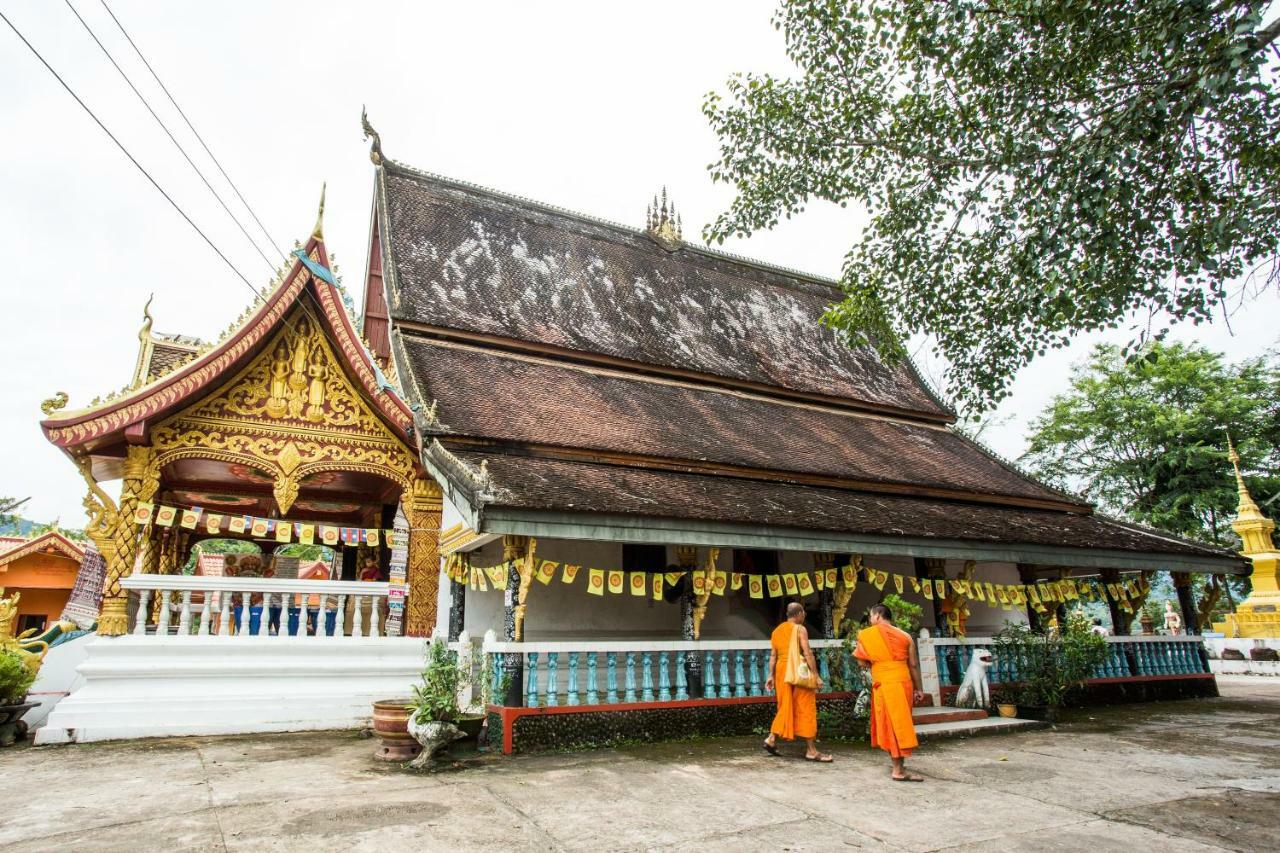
1247 508
318 231
1253 528
375 150
663 223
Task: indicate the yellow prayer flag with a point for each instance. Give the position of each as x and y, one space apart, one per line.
547 572
850 575
831 578
927 588
977 592
474 583
616 581
213 523
372 536
284 531
480 582
259 527
673 578
915 585
657 587
595 581
755 586
774 583
720 582
991 592
497 575
882 577
328 535
144 513
166 515
1031 591
637 583
804 583
189 518
569 573
236 524
820 579
869 573
940 589
307 534
790 585
898 584
700 584
735 581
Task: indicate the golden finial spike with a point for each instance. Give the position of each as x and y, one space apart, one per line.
318 232
145 331
1247 505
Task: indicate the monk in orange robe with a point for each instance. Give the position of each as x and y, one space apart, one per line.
797 706
895 687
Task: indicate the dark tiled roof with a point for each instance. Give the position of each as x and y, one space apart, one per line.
498 396
473 260
166 359
584 487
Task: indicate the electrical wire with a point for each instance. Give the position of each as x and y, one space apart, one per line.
126 153
190 126
168 133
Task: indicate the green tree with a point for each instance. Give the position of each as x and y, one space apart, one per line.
1032 169
1146 437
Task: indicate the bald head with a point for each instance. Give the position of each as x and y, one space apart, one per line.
795 609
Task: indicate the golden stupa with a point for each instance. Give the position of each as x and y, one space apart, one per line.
1259 614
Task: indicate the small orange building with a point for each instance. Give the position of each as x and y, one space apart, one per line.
43 569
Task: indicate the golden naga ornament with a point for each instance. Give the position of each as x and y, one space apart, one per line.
55 403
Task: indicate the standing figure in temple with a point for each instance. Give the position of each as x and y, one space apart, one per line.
797 705
277 405
318 371
1172 619
298 375
890 653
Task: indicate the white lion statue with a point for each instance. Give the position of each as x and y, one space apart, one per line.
975 691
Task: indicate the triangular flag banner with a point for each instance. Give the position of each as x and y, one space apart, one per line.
755 586
673 578
977 593
735 581
820 579
166 515
991 592
721 582
237 524
498 575
790 585
213 523
774 584
850 576
481 584
940 589
284 532
569 573
372 537
595 581
259 527
897 584
475 579
831 578
881 578
637 583
869 573
804 583
927 588
144 513
547 571
616 582
190 517
1031 591
699 583
957 587
307 534
915 585
657 587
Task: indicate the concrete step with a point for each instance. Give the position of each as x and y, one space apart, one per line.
967 728
924 715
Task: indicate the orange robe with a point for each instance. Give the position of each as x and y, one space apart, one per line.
797 706
887 649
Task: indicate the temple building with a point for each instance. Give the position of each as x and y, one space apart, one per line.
567 436
39 571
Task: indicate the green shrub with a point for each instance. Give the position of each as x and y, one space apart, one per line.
1049 666
906 615
436 698
15 678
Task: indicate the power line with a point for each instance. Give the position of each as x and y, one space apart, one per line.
126 153
190 126
167 132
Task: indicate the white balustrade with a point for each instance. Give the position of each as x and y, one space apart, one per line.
286 606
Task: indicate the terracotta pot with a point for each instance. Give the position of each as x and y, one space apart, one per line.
391 725
1007 710
12 729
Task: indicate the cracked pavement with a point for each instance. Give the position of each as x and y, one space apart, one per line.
1175 776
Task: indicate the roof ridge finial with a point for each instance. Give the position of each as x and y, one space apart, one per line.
145 331
318 231
663 223
375 150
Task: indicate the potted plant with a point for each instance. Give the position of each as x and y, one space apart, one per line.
434 707
1049 666
1005 700
1147 618
16 678
391 725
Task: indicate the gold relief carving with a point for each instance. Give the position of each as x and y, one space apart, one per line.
423 505
708 582
56 402
844 594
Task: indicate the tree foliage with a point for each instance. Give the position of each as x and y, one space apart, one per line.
1146 437
1032 169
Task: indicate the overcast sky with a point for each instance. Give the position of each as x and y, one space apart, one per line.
591 106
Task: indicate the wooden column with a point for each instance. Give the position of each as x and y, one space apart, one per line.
933 568
1186 602
422 507
141 481
826 596
1027 575
1120 621
514 550
687 559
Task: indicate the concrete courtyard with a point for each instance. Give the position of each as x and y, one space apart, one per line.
1173 776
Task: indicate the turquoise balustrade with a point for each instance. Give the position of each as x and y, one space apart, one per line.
531 681
725 690
753 669
611 663
739 675
630 695
646 673
571 697
708 676
682 683
593 693
664 683
553 685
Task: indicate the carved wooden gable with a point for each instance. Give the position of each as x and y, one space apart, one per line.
292 412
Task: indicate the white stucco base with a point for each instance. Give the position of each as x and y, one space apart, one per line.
152 686
1215 645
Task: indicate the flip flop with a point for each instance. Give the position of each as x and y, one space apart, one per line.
821 759
908 778
772 750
